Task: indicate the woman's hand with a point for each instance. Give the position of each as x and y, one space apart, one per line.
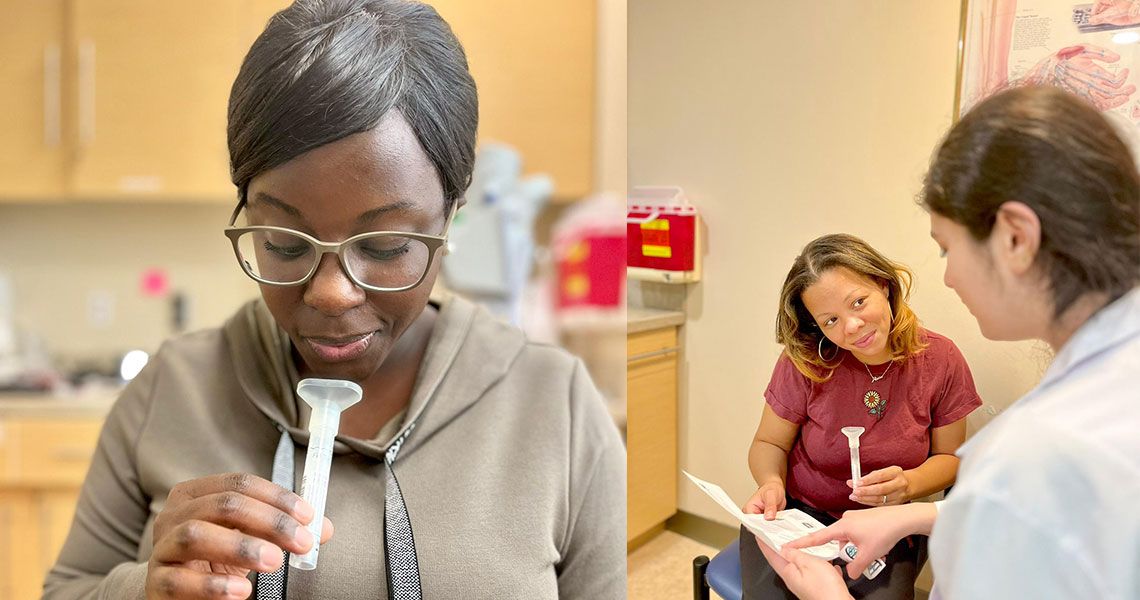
214 530
874 531
882 488
768 499
808 577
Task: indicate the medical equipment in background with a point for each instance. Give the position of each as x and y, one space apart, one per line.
585 288
588 245
664 234
491 241
25 364
328 398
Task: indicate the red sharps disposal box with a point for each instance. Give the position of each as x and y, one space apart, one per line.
662 235
587 243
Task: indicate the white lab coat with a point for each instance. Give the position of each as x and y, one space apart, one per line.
1047 503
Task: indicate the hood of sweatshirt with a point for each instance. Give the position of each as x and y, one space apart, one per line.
468 352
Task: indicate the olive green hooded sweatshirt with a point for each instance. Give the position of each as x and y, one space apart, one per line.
513 477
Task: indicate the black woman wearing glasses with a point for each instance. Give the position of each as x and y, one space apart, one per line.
477 465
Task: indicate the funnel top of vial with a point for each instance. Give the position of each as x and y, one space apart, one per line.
852 434
336 391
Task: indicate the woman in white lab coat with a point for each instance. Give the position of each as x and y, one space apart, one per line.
1034 200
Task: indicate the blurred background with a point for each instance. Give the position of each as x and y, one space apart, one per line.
114 191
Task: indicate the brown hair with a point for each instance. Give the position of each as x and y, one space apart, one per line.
796 328
1058 155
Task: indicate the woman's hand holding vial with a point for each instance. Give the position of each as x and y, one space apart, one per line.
214 530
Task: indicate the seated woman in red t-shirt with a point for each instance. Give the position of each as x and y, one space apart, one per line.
854 355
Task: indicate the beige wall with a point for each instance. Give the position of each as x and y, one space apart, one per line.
785 121
610 115
57 256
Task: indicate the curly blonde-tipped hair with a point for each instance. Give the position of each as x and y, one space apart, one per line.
796 328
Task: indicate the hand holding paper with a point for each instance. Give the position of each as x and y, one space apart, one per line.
787 526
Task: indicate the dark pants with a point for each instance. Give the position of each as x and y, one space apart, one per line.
896 582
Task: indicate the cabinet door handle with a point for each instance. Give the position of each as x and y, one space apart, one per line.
86 92
52 95
653 354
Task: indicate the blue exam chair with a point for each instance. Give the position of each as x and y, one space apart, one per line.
721 574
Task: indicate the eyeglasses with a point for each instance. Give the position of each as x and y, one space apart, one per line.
380 261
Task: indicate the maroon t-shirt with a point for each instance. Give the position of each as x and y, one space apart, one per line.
931 389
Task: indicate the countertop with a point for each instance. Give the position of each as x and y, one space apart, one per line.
645 319
84 405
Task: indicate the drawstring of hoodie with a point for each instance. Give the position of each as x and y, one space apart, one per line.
399 543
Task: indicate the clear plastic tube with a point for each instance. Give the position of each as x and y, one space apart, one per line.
853 434
327 398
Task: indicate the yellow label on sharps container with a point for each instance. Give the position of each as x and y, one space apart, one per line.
655 239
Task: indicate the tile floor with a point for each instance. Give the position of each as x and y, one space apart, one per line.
662 569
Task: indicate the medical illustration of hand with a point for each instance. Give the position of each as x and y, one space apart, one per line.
769 500
1115 12
884 487
214 530
808 577
1075 69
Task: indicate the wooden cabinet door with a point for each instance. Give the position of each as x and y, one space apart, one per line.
31 111
21 577
153 82
43 464
56 510
651 430
533 63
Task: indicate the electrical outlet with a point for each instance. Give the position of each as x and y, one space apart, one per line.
100 309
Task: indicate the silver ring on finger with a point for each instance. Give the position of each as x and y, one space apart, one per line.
884 498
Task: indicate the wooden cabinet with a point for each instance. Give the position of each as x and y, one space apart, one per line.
111 98
534 64
106 99
152 81
31 111
651 431
42 465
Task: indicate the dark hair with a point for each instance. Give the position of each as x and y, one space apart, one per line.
326 69
1058 155
795 327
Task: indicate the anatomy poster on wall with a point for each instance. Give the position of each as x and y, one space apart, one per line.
1088 48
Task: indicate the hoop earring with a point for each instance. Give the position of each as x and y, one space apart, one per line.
819 350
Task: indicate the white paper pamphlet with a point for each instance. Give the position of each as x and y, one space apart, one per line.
789 524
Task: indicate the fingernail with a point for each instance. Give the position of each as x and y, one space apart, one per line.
303 537
267 556
852 496
303 509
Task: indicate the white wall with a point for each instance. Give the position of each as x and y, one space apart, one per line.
785 121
